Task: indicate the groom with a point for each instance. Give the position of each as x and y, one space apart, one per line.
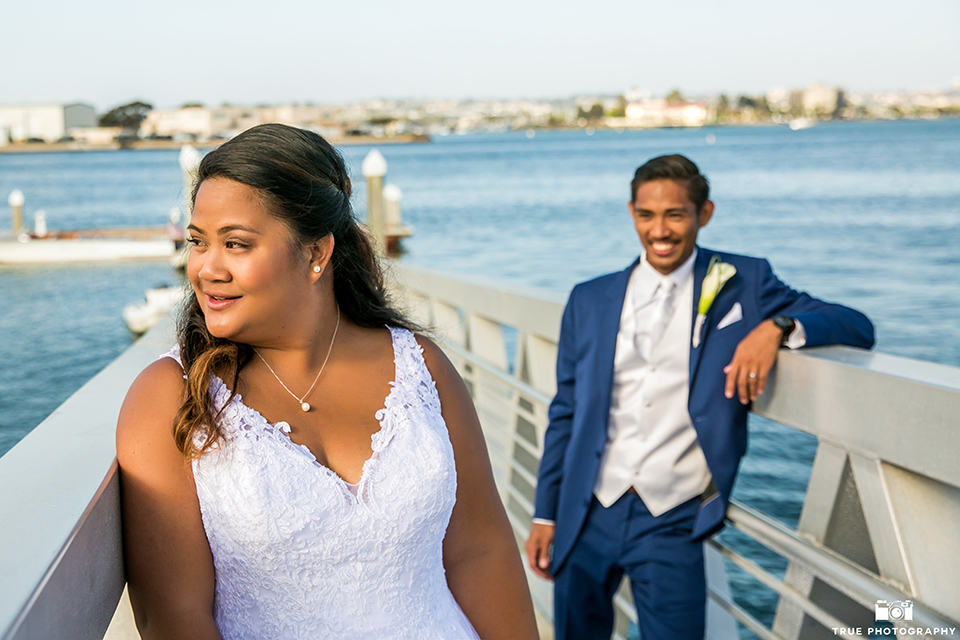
656 367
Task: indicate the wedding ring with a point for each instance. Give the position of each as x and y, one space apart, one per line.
752 375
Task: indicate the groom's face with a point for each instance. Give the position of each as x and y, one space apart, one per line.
667 222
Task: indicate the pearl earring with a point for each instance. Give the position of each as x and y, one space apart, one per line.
316 268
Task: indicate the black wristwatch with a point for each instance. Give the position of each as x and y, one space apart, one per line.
786 325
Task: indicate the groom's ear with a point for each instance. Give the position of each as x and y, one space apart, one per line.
705 214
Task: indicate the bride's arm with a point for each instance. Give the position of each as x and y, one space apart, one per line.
168 561
480 553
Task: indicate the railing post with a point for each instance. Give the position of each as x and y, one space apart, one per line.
374 169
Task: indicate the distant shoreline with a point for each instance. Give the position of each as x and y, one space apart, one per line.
149 145
408 138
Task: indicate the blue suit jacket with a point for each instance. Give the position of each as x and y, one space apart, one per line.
577 433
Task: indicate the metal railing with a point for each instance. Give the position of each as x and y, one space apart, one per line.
61 558
881 519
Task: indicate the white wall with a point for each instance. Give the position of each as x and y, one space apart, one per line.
48 122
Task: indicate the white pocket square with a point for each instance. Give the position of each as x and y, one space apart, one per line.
734 315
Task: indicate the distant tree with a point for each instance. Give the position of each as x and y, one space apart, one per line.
763 108
128 116
841 104
675 96
620 110
192 105
593 113
722 109
746 101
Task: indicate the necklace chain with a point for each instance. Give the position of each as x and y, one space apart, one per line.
305 405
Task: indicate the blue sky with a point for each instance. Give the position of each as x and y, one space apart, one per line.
109 52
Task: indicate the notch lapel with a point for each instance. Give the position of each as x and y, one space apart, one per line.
609 327
699 273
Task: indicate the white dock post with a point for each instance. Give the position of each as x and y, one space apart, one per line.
189 164
40 224
374 169
392 196
16 201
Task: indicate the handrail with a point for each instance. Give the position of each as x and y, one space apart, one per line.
811 609
839 572
61 560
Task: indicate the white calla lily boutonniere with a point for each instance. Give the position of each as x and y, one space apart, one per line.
718 272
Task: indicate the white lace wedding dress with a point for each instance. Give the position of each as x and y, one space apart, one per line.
300 554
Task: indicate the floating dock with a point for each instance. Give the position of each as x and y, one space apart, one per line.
87 245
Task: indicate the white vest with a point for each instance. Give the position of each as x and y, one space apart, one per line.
651 443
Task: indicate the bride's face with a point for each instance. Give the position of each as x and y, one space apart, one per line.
247 271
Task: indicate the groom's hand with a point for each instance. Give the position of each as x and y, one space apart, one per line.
538 548
752 361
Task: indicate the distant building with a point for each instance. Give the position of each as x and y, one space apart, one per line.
778 99
819 100
660 113
188 122
47 122
203 123
96 136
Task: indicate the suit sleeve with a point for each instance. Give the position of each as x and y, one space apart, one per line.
824 323
560 414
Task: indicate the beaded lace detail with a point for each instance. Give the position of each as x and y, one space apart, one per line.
300 554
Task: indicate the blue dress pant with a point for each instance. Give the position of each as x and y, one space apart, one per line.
664 565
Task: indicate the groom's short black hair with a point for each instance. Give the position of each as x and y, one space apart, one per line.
673 167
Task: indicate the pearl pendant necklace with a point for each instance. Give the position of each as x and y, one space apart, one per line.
305 406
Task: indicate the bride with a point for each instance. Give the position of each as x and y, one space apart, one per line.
301 465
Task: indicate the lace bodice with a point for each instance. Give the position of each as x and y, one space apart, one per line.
300 554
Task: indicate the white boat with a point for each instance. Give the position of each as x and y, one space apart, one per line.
802 123
158 302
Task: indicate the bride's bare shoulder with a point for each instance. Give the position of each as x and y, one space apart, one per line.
149 409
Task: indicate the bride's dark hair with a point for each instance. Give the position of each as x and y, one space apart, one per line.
303 181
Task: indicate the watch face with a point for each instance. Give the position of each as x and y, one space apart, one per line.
786 324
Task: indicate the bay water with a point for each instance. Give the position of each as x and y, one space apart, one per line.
865 214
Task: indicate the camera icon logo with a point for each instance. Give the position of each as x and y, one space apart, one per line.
893 610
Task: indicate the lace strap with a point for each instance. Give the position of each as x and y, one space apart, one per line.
174 354
407 356
412 372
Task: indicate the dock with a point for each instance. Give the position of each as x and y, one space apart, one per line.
86 245
879 522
